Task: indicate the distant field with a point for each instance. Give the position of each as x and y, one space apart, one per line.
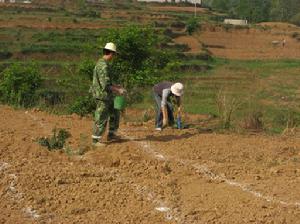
260 42
269 87
246 64
236 160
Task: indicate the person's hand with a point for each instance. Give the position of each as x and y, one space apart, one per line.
165 116
165 123
117 89
121 91
179 111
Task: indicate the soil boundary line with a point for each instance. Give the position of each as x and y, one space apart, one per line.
205 171
14 194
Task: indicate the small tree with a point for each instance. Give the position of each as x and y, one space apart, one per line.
19 84
139 60
296 19
86 68
191 26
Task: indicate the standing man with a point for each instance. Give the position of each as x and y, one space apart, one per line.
163 93
103 92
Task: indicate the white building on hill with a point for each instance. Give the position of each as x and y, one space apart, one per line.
16 1
240 22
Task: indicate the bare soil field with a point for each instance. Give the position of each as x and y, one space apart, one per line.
50 25
253 43
175 176
191 42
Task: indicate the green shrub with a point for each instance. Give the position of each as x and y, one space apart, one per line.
51 97
86 68
19 85
295 34
134 96
54 47
83 105
203 56
57 140
4 54
169 33
139 61
287 118
227 106
191 26
296 19
178 25
89 13
254 120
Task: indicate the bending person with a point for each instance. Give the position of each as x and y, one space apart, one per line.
163 93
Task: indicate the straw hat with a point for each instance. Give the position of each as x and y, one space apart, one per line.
177 89
111 47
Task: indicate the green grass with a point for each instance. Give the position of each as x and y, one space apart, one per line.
272 85
276 95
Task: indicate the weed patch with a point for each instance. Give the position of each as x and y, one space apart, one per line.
56 141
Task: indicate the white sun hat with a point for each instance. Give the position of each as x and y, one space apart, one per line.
111 47
177 89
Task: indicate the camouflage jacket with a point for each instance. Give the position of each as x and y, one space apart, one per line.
100 88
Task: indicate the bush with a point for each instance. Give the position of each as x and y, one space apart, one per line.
57 141
287 118
50 97
159 24
191 26
54 47
19 85
203 56
169 33
254 120
178 25
83 105
89 13
139 61
227 105
296 19
86 68
193 68
296 35
5 54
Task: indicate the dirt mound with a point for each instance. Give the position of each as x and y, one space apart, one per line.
279 25
191 42
167 177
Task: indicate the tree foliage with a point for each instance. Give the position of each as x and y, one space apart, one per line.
258 10
19 84
139 61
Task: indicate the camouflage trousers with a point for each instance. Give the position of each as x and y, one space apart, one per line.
104 113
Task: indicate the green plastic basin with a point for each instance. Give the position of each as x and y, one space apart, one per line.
119 102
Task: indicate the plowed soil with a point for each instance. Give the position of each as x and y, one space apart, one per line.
174 176
263 42
48 25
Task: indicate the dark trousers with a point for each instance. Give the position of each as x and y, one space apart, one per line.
159 114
